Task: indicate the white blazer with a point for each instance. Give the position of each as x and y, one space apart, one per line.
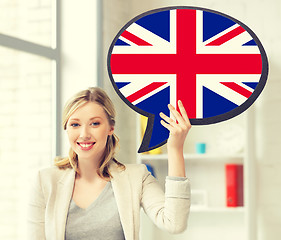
133 188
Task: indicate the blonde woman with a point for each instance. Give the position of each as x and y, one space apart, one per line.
90 195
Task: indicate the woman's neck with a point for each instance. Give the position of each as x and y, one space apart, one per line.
88 169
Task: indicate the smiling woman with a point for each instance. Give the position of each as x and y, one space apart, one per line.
91 195
89 112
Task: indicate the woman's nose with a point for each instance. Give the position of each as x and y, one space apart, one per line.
85 133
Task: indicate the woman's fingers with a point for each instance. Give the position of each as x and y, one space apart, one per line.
180 117
176 114
166 125
167 119
183 112
179 128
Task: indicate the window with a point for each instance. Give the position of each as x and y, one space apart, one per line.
30 20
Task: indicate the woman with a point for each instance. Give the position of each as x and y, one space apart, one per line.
90 195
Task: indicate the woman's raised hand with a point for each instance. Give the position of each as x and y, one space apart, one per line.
178 128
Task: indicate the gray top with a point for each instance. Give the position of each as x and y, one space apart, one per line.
100 221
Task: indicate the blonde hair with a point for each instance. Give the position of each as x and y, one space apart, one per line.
97 95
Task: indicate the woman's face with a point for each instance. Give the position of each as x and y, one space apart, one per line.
87 130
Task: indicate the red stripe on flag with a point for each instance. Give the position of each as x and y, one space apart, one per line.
198 64
133 38
186 60
237 88
224 38
133 97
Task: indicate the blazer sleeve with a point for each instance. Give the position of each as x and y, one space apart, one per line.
36 211
169 210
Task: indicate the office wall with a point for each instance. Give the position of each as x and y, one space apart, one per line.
115 15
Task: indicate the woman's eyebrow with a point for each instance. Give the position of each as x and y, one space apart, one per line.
74 119
94 118
77 119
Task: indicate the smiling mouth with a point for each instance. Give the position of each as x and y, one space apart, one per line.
86 146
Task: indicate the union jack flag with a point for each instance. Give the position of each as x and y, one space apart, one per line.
205 59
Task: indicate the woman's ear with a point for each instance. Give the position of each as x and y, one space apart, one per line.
111 131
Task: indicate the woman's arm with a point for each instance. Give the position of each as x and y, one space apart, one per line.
179 129
170 211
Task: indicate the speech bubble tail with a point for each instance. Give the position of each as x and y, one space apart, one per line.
155 134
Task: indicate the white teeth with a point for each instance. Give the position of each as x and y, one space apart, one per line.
85 145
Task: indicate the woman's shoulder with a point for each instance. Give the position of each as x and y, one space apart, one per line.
53 173
136 169
130 168
135 166
53 170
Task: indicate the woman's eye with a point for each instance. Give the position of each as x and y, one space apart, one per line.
74 124
96 123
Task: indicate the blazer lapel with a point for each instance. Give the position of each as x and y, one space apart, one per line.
122 191
63 197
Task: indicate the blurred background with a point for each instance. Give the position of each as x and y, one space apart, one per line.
51 49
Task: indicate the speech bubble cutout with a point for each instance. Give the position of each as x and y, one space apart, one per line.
213 63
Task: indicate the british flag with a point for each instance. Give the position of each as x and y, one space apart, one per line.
210 62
